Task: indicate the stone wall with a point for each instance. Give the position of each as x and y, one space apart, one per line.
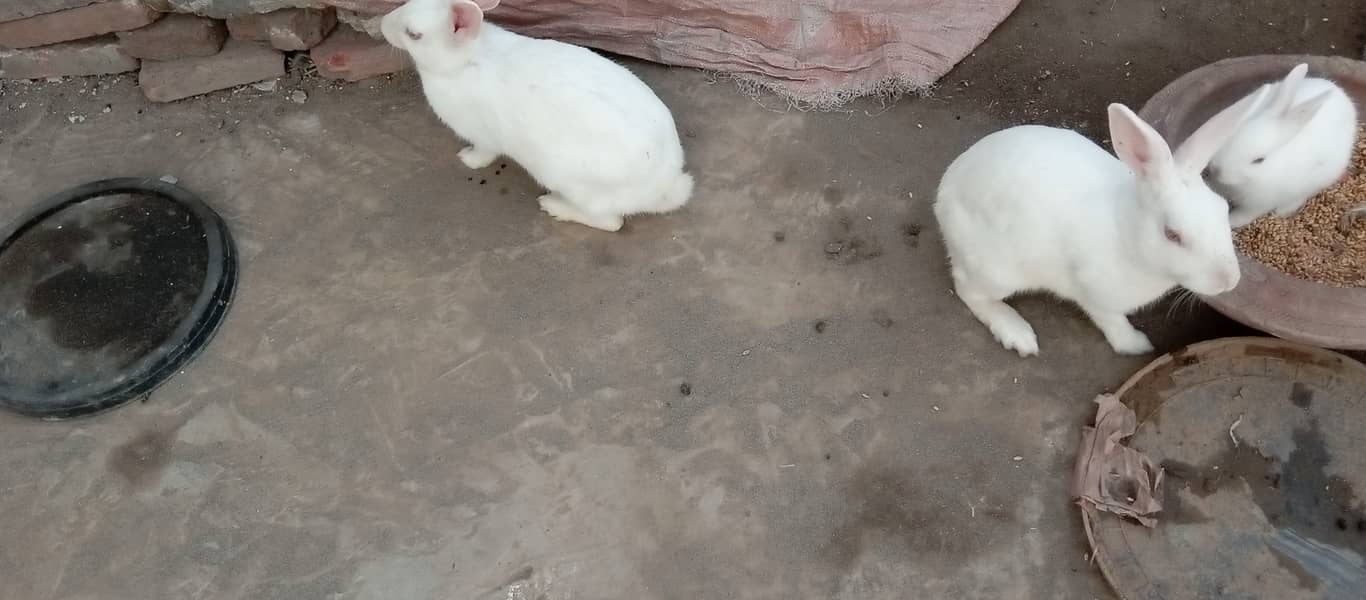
817 53
183 48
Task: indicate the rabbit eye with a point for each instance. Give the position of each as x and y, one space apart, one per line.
1259 160
1172 235
413 35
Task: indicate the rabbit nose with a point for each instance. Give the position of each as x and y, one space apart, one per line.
1210 173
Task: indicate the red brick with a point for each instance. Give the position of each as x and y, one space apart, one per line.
174 37
239 63
351 55
99 56
76 24
290 29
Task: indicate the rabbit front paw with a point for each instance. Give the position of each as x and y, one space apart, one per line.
476 158
1016 334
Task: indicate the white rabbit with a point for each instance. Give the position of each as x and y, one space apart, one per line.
1035 208
1292 149
585 128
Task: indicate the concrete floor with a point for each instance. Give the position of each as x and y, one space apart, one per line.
428 389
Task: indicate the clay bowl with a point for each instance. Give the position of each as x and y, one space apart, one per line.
1266 299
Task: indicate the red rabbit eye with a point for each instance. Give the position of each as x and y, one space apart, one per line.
1172 236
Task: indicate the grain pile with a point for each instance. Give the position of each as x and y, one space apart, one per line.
1313 244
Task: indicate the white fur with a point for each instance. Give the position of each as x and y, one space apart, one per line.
1035 208
585 128
1296 147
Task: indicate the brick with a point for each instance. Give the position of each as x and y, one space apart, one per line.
239 63
99 56
351 55
175 37
106 16
291 29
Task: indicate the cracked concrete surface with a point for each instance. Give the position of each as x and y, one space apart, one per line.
428 389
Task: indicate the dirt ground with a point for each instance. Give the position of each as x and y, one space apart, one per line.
427 389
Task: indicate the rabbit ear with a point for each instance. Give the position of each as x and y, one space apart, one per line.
486 5
466 18
1137 144
1195 153
1299 115
1285 91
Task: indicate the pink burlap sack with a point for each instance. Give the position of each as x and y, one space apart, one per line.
820 53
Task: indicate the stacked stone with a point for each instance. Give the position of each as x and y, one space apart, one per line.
184 48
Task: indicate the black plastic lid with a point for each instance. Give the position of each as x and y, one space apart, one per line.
107 290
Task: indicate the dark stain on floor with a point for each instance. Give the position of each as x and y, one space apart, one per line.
141 460
883 318
848 247
1298 495
1301 395
910 233
899 509
832 195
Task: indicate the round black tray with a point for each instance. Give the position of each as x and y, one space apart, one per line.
90 312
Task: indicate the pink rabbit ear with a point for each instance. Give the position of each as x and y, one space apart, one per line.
486 5
1137 144
466 17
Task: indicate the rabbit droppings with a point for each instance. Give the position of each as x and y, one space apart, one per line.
1035 208
588 130
1292 149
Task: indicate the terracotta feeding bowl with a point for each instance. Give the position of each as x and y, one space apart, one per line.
1282 305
